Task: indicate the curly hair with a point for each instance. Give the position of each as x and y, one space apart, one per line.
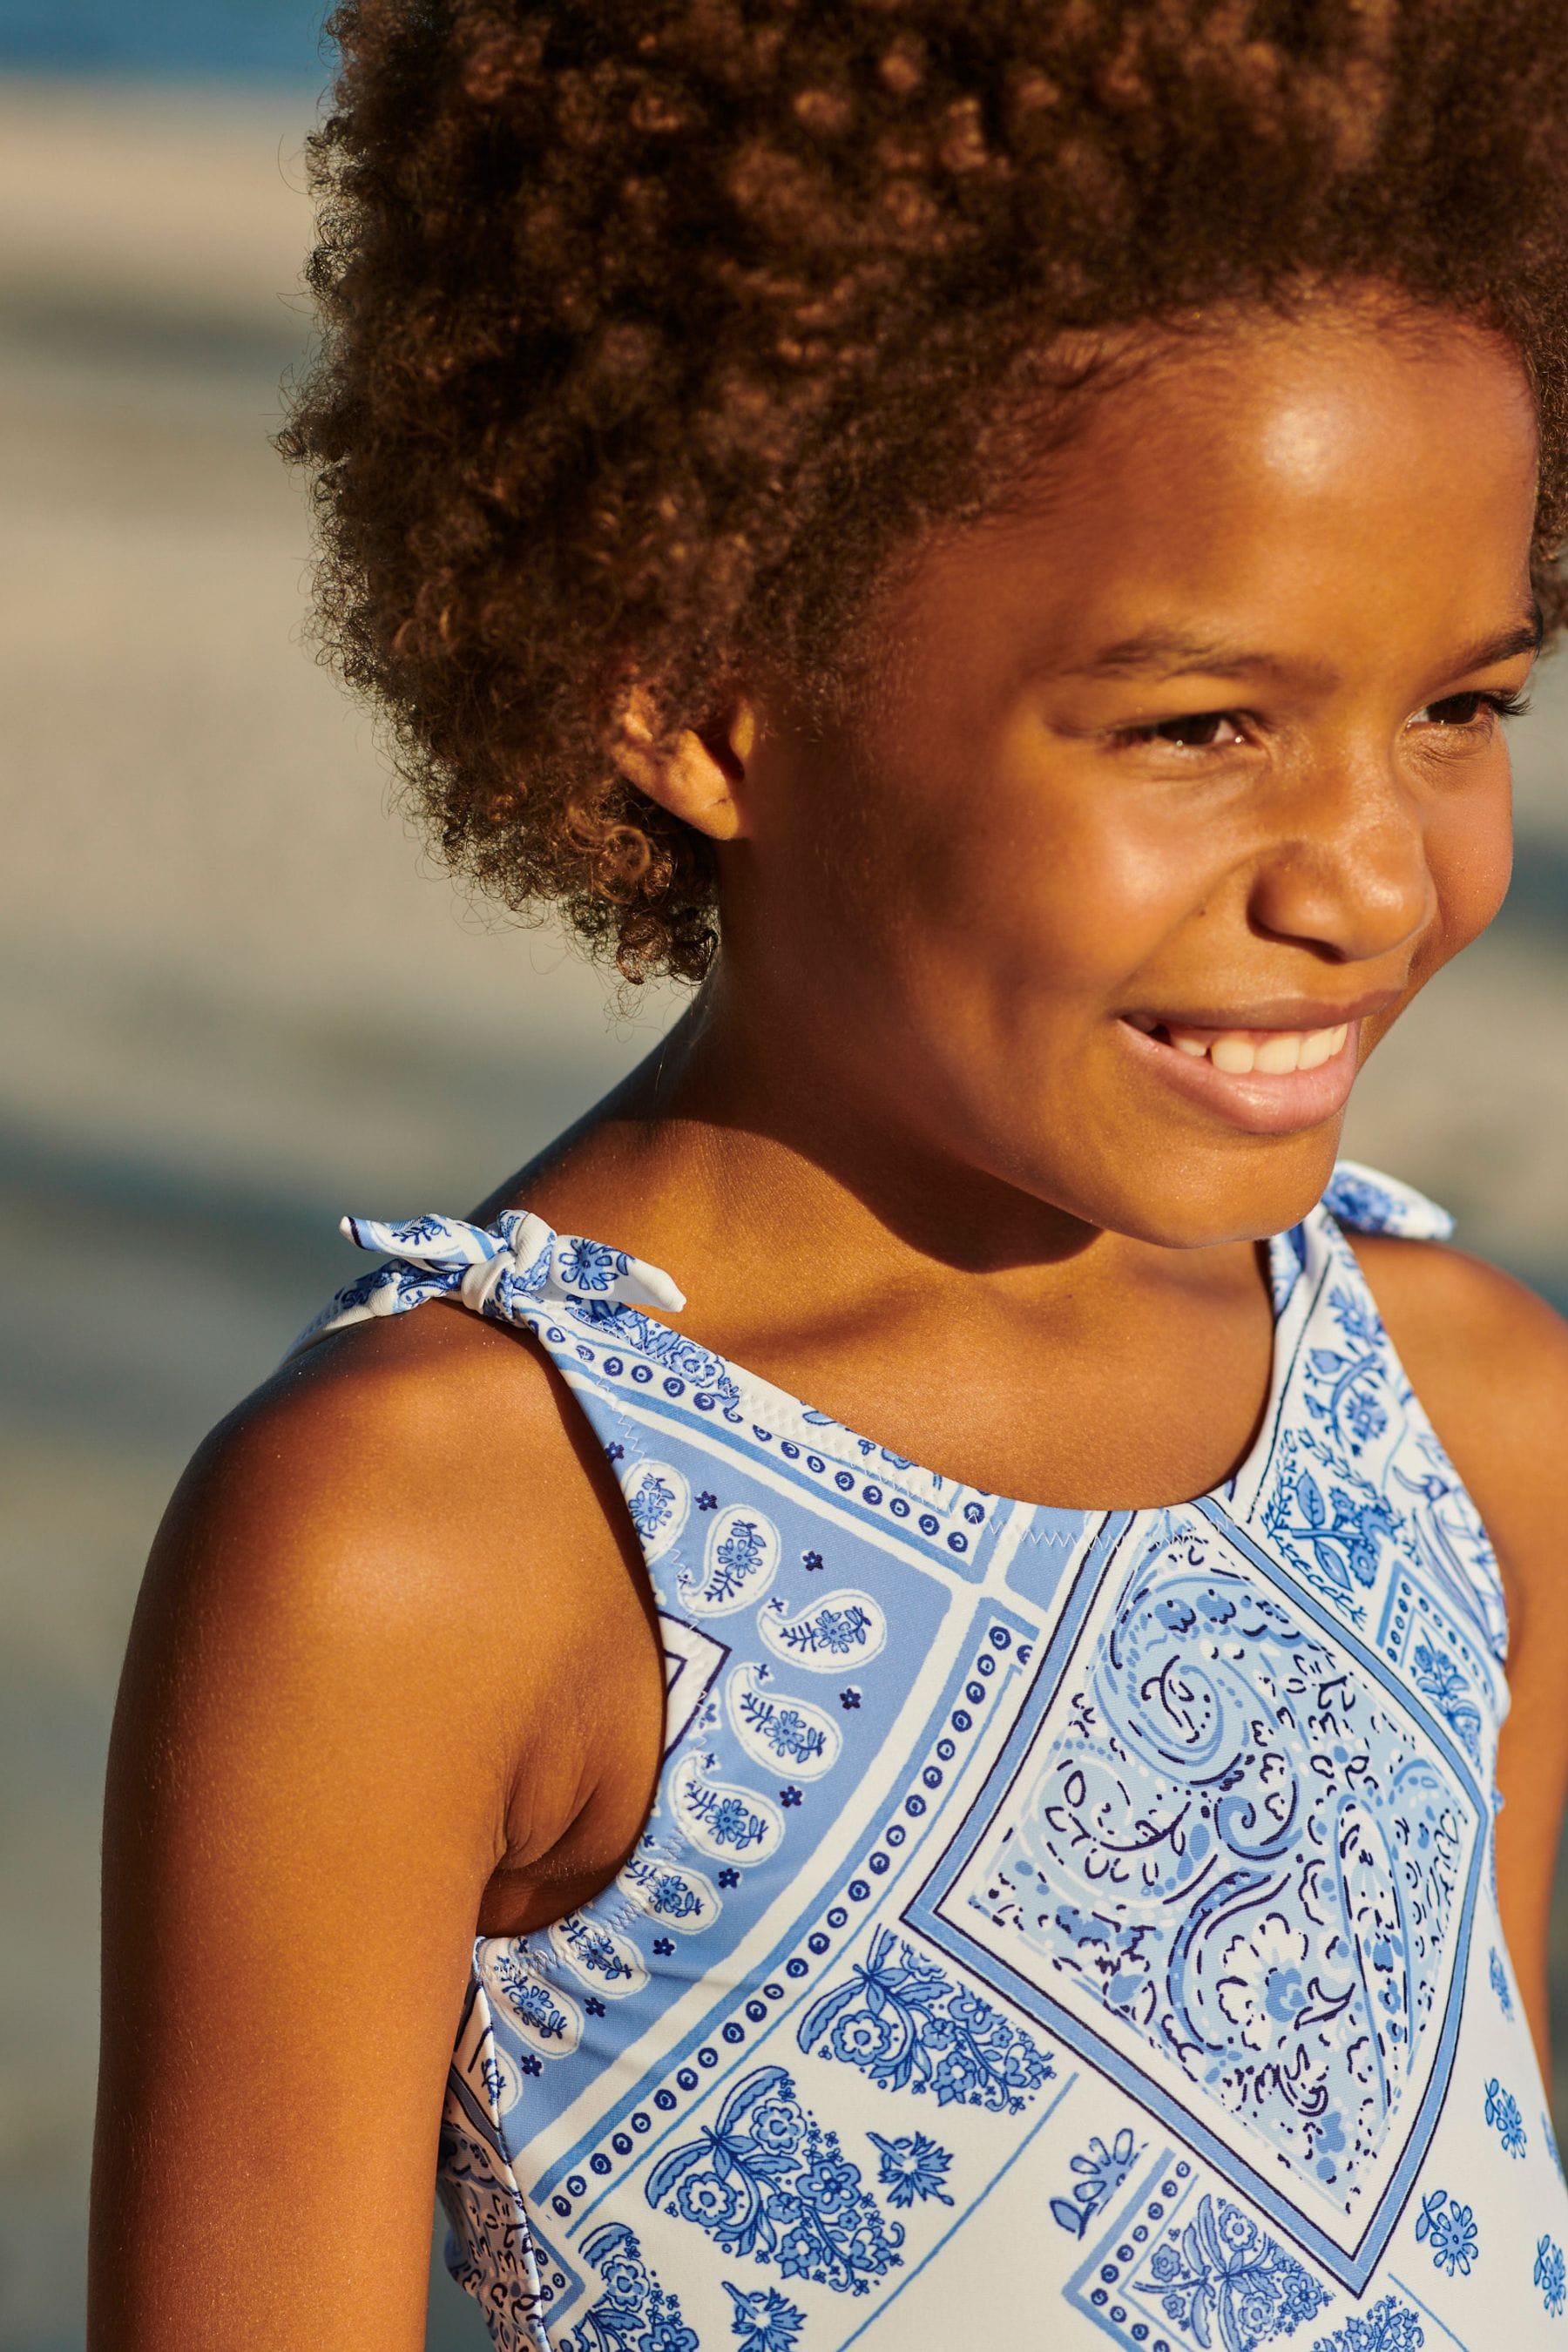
652 329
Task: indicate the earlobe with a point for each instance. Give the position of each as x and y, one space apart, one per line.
700 780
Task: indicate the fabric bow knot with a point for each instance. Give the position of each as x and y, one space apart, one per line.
519 1255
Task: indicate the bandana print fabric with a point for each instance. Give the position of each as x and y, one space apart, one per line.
1076 1925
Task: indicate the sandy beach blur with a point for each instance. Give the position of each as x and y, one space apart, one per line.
238 1000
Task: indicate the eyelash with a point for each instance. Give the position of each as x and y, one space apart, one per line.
1502 705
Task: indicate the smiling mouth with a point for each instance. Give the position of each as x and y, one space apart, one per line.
1270 1052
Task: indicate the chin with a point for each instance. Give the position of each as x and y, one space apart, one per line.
1180 1195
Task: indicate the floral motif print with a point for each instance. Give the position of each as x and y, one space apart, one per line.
1449 2228
587 1265
1502 2114
843 1626
1262 1987
1358 1199
650 1504
740 1562
633 2314
676 1896
765 2320
1343 1392
1338 1540
785 1729
1439 1678
1229 2281
905 2024
659 1499
726 1820
1101 2172
549 2020
1548 2275
766 2180
739 1553
1500 1985
911 2167
775 1728
1389 2327
597 1955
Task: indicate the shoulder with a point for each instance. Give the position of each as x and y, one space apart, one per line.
1487 1358
383 1692
417 1435
405 1500
1487 1338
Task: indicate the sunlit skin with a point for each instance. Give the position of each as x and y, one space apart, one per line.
1206 732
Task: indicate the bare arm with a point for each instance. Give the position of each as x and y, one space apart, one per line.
1490 1362
350 1701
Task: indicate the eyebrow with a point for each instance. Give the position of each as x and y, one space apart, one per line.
1165 654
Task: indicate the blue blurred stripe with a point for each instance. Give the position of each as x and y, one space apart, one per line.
240 40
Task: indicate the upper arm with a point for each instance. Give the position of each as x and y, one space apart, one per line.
1488 1361
343 1665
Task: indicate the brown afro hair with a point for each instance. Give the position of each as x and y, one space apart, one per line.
651 327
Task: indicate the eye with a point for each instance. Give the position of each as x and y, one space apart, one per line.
1199 731
1477 711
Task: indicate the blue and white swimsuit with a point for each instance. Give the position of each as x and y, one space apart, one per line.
1078 1927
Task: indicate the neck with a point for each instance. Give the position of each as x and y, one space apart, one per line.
759 1166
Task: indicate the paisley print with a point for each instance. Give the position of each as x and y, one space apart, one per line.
678 1897
740 1559
722 1819
660 1501
608 1963
1077 1925
778 1729
1233 1845
548 2021
842 1629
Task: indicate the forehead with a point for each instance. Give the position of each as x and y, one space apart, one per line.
1328 478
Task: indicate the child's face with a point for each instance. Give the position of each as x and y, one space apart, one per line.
1199 738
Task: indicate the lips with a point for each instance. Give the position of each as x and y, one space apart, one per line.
1265 1081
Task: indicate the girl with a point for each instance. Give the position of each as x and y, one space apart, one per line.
1001 539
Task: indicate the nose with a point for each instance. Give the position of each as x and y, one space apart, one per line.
1347 873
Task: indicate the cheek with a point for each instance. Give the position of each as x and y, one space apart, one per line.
1470 853
1049 883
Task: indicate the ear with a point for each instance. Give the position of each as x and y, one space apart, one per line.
699 780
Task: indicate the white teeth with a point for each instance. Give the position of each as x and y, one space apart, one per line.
1275 1055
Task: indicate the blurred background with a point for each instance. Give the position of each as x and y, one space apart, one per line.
238 999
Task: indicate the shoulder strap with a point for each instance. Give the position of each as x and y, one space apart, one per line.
520 1266
508 1271
1367 1201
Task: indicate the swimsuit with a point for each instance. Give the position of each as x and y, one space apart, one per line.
1078 1926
